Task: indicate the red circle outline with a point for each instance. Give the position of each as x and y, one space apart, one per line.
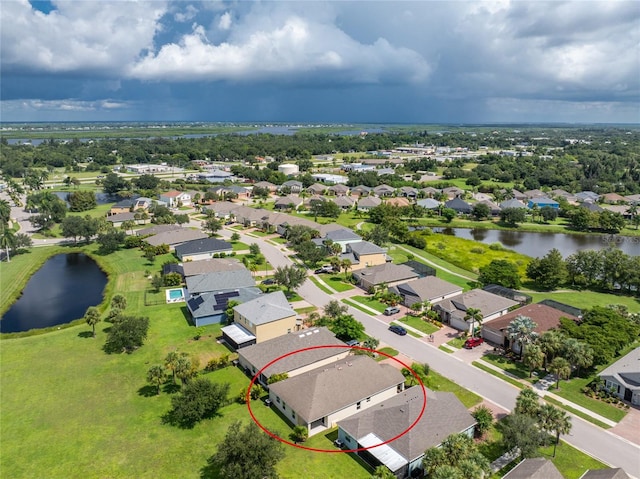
332 451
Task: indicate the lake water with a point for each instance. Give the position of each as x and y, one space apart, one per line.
101 198
539 244
58 293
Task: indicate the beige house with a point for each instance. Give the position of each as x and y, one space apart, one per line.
388 274
319 398
312 353
176 198
363 254
261 319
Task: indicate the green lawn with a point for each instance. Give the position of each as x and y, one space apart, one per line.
497 374
588 299
356 305
419 324
336 281
571 390
571 462
71 411
439 262
239 246
436 382
320 285
457 342
576 412
389 351
512 367
369 301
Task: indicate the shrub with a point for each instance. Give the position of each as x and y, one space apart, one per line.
477 250
496 247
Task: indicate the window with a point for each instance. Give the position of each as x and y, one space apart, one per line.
284 406
293 414
277 399
358 405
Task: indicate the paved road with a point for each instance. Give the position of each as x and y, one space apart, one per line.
597 442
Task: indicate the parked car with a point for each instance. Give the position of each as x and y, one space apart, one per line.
391 310
353 342
269 281
394 328
473 342
327 268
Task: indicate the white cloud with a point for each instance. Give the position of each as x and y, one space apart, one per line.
225 21
62 105
188 14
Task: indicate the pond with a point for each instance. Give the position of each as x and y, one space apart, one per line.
539 244
59 292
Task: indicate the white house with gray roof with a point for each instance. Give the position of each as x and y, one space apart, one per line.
623 377
211 265
342 236
444 415
429 288
209 308
175 237
319 398
219 280
202 249
312 353
454 309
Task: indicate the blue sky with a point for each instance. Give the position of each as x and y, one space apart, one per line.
307 61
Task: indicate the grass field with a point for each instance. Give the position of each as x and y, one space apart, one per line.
588 299
369 301
419 324
336 281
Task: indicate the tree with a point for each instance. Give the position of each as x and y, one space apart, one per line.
212 225
146 182
521 431
113 184
383 472
527 403
291 277
522 331
551 344
254 249
171 363
299 434
110 241
156 376
480 211
448 214
346 328
334 309
82 200
548 213
561 368
501 272
379 235
484 419
119 302
128 225
200 399
5 212
533 358
549 271
235 236
577 353
247 453
92 317
127 334
475 315
552 419
457 457
513 216
7 240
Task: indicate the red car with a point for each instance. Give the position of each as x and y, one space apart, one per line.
473 342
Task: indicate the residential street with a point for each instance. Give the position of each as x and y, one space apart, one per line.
591 439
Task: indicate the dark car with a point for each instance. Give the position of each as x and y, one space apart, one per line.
397 329
269 281
473 342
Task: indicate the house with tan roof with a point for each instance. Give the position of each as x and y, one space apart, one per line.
394 418
534 468
175 237
319 398
429 288
398 201
310 353
388 273
367 203
338 190
491 306
211 265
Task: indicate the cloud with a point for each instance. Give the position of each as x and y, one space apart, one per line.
188 14
225 21
63 105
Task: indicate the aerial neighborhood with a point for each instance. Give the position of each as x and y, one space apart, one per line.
369 302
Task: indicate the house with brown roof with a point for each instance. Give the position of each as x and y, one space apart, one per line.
317 189
429 288
344 202
157 229
368 203
338 190
319 398
534 468
613 198
398 201
545 317
384 190
394 419
491 306
265 184
361 190
310 353
289 201
176 198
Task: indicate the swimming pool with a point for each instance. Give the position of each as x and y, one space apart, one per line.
175 295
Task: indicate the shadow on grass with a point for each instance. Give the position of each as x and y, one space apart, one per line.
148 391
211 470
171 388
85 334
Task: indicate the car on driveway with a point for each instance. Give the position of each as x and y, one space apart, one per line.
327 268
394 328
391 310
473 342
268 281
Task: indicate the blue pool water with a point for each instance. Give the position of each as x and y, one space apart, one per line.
175 294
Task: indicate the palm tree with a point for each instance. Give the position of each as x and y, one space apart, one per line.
156 376
578 354
253 268
561 368
475 315
128 225
171 362
522 331
92 317
119 302
551 344
533 358
552 419
345 265
527 403
5 212
7 240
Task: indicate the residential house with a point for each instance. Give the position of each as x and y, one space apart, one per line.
169 268
587 196
622 209
368 203
211 265
342 236
319 398
623 377
430 192
363 254
609 473
292 186
546 318
201 249
408 192
361 190
157 229
542 201
494 209
345 203
491 306
261 319
317 189
453 192
123 206
633 199
288 202
559 193
232 191
216 176
518 195
176 198
512 203
460 206
429 203
395 420
117 219
588 205
399 201
265 184
338 190
384 190
222 209
529 194
428 288
220 280
310 350
389 274
534 468
175 237
613 198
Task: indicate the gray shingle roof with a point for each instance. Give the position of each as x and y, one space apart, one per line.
364 247
209 304
535 468
211 265
369 201
204 245
174 237
626 370
324 390
444 415
267 308
342 234
154 230
512 203
259 355
220 281
428 288
385 273
615 473
428 203
487 303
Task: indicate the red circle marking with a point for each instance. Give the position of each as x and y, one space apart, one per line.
275 436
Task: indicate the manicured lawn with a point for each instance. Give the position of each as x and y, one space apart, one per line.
389 351
320 285
356 305
336 281
571 462
239 246
439 262
437 382
259 233
495 373
456 342
588 299
369 301
571 390
307 310
419 324
578 413
445 349
512 367
278 240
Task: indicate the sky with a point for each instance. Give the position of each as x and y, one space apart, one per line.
320 62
